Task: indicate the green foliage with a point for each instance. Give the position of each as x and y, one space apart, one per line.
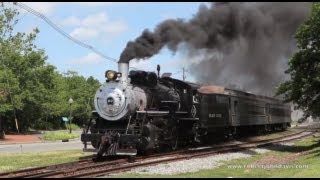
303 88
34 90
82 91
53 136
2 135
73 126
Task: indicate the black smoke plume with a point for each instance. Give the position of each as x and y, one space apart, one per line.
254 41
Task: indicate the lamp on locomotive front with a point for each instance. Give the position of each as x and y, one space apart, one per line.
111 75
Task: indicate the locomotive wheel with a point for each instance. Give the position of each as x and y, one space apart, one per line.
284 127
174 143
131 159
102 149
174 140
93 130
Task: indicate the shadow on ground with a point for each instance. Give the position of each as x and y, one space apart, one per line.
314 148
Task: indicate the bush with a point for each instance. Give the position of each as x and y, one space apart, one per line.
42 125
49 124
2 135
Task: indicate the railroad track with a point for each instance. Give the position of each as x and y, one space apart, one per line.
89 168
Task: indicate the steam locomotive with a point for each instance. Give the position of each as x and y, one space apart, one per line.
139 111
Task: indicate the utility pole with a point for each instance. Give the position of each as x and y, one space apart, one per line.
183 75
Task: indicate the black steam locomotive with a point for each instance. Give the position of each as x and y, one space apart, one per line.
139 111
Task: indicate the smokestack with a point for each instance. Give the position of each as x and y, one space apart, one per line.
123 68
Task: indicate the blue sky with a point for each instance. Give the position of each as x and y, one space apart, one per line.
106 26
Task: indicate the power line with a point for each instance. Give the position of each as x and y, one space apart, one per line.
48 21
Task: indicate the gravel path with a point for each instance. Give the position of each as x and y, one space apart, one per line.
40 147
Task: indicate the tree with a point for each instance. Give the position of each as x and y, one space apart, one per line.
31 90
13 47
82 91
303 88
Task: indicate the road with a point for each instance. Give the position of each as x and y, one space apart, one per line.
41 147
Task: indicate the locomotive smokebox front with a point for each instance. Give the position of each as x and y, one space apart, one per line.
117 99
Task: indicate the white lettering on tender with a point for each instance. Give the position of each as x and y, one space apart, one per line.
215 115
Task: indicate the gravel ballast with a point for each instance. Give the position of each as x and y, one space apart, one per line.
195 164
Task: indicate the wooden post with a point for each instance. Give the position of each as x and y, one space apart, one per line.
15 119
1 129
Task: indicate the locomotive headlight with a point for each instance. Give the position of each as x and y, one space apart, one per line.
111 75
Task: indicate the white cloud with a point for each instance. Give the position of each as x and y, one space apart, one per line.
94 26
116 27
91 58
84 33
45 8
71 21
95 20
97 4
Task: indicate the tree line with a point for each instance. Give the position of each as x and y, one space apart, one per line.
33 94
36 94
303 87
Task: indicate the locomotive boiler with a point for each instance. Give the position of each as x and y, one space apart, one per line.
139 111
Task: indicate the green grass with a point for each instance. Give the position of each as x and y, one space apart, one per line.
60 135
309 164
273 135
73 126
10 161
48 127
